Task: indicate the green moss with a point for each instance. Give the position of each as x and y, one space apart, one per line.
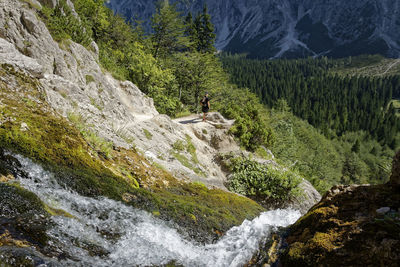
101 146
147 134
212 209
186 162
89 79
191 149
179 145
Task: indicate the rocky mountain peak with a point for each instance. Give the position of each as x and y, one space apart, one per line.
272 28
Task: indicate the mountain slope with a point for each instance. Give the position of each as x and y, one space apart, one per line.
272 28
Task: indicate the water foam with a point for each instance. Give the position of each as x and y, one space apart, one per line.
125 236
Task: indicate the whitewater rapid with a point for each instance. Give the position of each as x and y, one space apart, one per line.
131 237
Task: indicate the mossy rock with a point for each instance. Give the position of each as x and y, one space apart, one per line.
346 228
26 257
23 215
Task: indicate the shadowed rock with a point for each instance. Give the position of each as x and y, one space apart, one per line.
395 178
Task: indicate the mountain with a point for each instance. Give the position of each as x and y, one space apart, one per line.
292 28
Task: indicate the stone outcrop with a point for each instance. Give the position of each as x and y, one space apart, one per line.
352 225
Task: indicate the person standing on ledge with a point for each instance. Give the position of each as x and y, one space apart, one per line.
205 103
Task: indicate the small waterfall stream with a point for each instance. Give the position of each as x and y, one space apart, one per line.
125 236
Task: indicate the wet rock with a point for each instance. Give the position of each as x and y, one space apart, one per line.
23 215
14 256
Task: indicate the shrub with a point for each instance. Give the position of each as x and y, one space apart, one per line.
261 181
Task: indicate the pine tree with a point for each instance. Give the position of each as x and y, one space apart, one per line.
169 30
356 147
204 31
189 29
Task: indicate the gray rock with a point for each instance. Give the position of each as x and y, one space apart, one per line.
24 127
28 20
383 210
10 55
310 196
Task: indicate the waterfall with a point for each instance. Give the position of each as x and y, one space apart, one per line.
121 235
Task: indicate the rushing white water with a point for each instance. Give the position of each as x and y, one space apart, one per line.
132 237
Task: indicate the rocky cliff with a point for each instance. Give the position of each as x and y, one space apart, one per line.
351 226
275 28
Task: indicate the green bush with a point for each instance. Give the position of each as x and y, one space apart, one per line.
261 181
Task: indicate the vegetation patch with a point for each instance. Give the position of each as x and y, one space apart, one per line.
148 134
101 146
181 146
89 78
187 163
64 25
261 181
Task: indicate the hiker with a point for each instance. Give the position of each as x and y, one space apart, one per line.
205 103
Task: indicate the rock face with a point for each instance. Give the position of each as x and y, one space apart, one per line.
352 225
293 28
395 178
